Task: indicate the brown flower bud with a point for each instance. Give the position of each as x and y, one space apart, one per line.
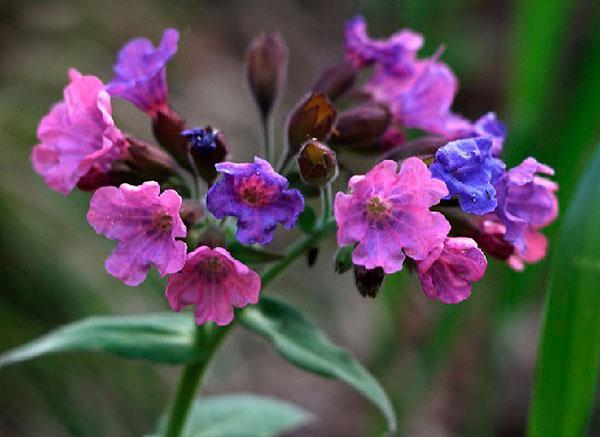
336 80
317 163
190 212
312 118
266 69
368 281
148 161
362 126
167 127
205 162
212 237
118 173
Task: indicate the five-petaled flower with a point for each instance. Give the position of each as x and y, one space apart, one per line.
388 214
78 136
526 201
449 269
469 171
146 225
140 72
215 282
257 196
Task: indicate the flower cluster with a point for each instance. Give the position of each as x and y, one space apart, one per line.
438 202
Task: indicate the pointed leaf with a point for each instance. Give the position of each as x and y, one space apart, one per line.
300 342
569 352
242 415
251 254
166 338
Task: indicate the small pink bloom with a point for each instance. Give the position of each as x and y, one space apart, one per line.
536 245
77 136
215 282
447 273
388 214
146 225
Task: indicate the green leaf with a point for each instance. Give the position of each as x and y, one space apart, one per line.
569 352
300 342
242 415
307 220
165 338
251 254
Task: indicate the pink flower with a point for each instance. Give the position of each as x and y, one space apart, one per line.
215 282
447 273
388 214
77 136
536 245
146 226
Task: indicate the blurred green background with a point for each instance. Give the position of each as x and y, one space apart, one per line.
460 370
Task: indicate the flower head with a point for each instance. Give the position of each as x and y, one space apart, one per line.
469 170
215 282
388 214
78 135
140 72
146 226
526 200
489 125
447 273
257 196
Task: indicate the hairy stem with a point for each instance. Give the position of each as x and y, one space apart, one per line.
326 203
268 146
193 372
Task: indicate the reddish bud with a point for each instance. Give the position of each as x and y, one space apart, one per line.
362 126
317 163
266 68
148 161
336 80
367 281
205 161
167 127
313 117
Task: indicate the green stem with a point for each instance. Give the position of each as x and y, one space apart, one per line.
193 372
326 202
267 138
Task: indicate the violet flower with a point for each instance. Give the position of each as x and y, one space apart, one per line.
469 171
78 136
146 226
215 282
387 214
140 72
257 196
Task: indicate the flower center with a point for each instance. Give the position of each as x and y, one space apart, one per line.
377 209
254 191
212 269
162 222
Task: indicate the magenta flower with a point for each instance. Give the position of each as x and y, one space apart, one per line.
388 214
146 226
536 245
78 136
257 196
418 92
215 282
140 72
447 273
526 200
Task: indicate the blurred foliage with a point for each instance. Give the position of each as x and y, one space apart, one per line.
463 369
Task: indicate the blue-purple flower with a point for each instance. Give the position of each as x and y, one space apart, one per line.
140 72
490 125
470 172
526 201
257 196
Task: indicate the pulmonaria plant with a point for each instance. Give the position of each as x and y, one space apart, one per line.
438 199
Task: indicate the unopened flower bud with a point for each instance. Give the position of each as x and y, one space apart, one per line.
343 259
205 157
368 281
266 69
336 80
316 163
362 126
204 140
212 237
148 160
118 173
167 127
311 255
314 117
190 212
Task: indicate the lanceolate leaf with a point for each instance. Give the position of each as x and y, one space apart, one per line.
165 338
242 415
300 342
569 353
